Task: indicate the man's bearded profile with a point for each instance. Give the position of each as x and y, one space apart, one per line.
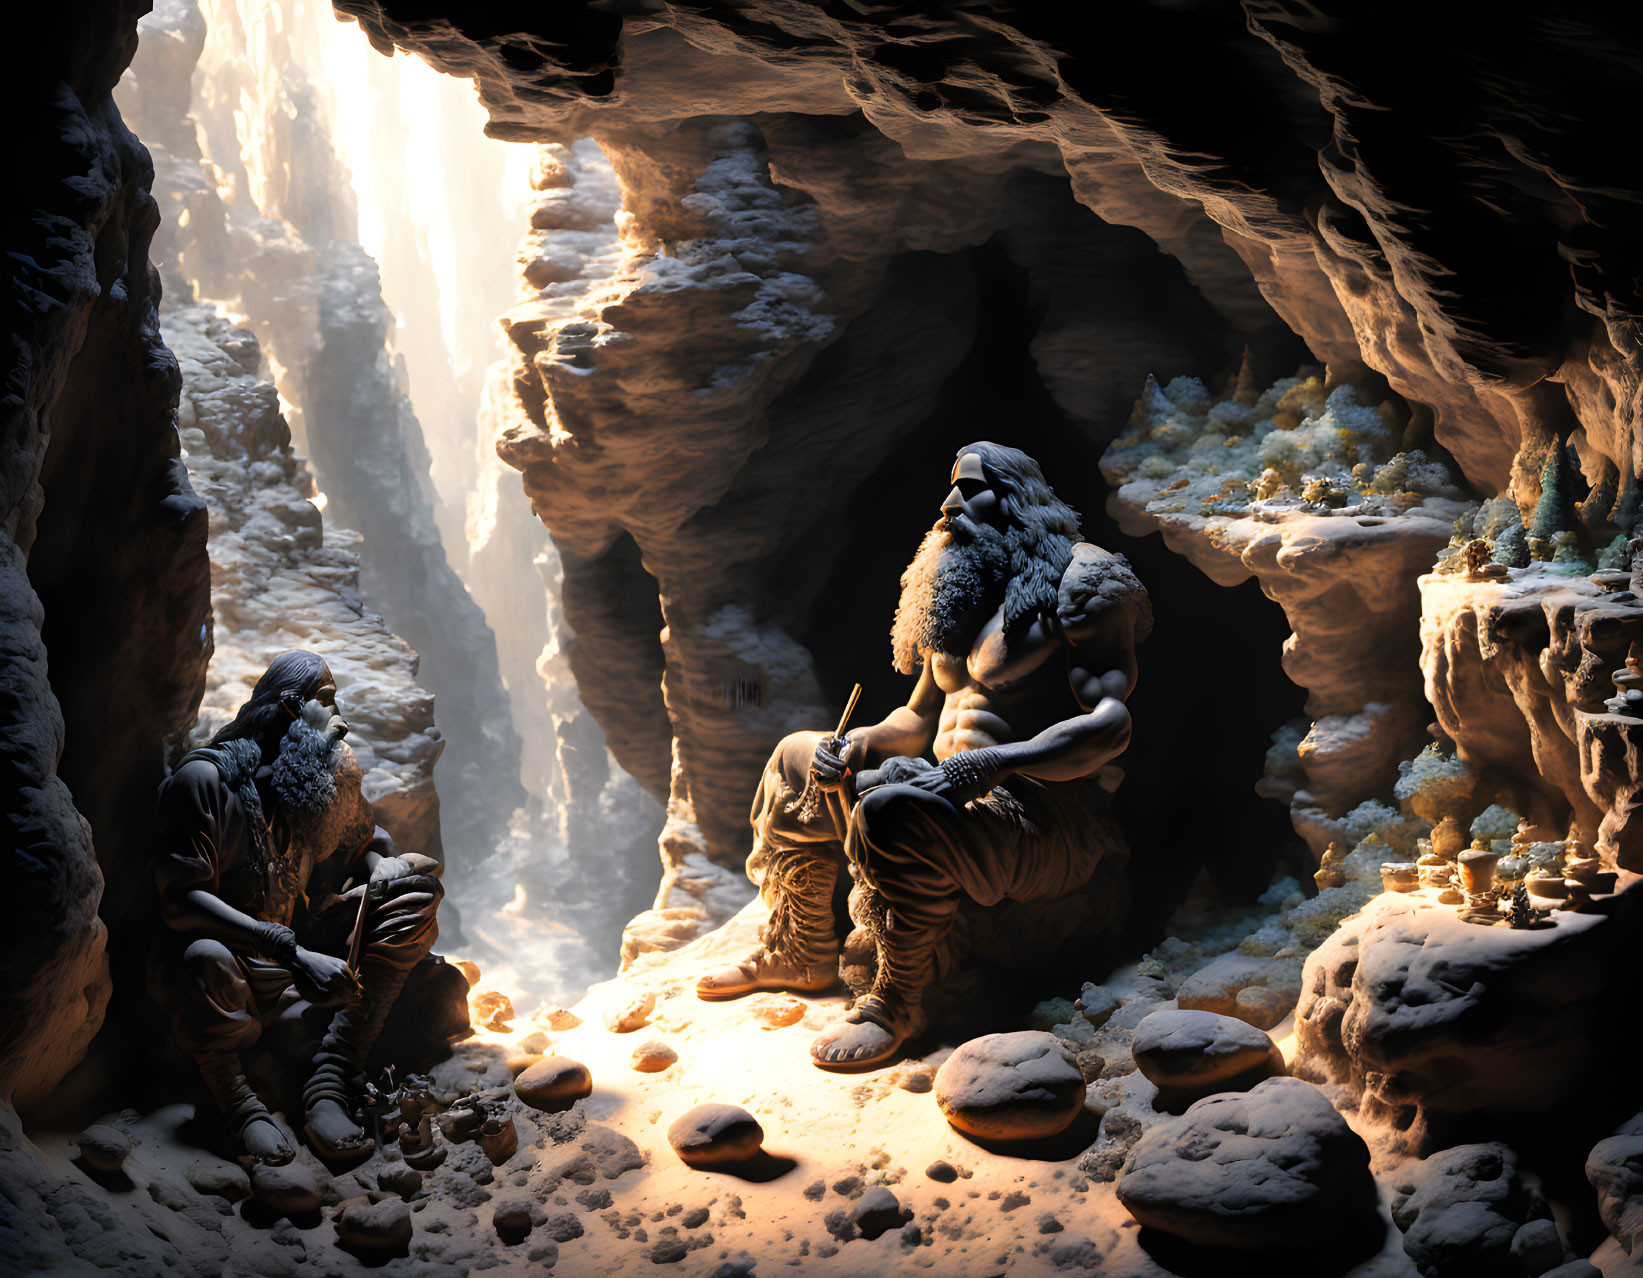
964 569
989 784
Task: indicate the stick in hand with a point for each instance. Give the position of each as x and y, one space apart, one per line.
808 802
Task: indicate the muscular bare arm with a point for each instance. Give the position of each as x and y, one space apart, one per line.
907 730
1101 672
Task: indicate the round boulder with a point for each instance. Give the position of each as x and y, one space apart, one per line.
219 1177
553 1082
713 1135
1010 1087
1275 1167
292 1189
1203 1052
104 1148
380 1228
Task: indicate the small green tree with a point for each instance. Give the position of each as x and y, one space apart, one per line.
1554 512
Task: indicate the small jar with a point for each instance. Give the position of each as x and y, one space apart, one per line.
1477 869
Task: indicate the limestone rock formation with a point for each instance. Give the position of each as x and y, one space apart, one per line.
1519 671
282 579
1452 1025
290 267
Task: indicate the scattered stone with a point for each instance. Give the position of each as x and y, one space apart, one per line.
1096 1004
1013 1199
653 1057
215 1176
877 1212
1275 1167
493 1011
1263 1007
400 1178
1010 1087
1048 1224
552 1082
1203 1052
712 1135
1537 1247
1215 986
562 1227
1051 1012
291 1190
632 1014
778 1013
943 1171
695 1218
595 1199
536 1044
556 1018
104 1148
816 1190
379 1228
917 1081
511 1218
469 970
1461 1210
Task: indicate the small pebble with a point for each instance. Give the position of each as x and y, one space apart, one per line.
632 1014
943 1171
557 1018
778 1013
653 1057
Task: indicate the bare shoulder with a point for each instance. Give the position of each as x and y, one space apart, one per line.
1097 586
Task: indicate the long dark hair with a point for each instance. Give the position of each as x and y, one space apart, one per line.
291 678
1040 533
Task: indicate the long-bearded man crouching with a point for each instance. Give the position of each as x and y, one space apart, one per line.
1023 639
259 833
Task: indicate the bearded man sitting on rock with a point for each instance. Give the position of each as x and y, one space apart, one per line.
259 833
1024 639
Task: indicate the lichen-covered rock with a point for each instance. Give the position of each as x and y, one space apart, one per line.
1190 1051
1462 1211
553 1082
1017 1086
1272 1168
713 1135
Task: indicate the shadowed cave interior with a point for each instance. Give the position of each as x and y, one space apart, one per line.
578 382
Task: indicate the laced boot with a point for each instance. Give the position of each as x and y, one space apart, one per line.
242 1109
799 949
328 1097
892 1011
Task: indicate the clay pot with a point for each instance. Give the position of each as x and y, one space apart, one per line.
1477 869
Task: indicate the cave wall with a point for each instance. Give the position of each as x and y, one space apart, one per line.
262 221
106 597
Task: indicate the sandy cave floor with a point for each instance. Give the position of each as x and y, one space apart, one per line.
611 1208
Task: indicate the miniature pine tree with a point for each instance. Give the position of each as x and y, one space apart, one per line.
1521 914
1554 512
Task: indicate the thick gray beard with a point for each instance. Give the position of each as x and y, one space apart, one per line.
301 776
949 583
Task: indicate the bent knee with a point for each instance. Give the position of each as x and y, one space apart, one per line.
204 956
889 815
